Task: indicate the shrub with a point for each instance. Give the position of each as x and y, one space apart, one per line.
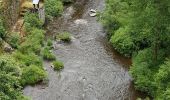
13 40
33 42
142 73
65 36
47 55
32 74
162 77
58 65
162 81
28 60
32 19
27 27
36 36
9 79
9 66
2 30
49 43
143 70
166 95
9 87
122 42
27 47
53 7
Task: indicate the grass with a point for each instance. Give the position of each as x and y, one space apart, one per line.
58 65
65 36
32 74
47 55
49 43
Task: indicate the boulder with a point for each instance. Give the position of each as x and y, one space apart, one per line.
7 47
93 14
93 11
81 21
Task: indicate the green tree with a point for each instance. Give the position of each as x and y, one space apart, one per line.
142 28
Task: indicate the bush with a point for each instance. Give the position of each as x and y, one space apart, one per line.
166 95
33 42
37 36
9 87
32 74
162 77
28 60
65 36
162 81
32 19
2 30
47 55
122 42
9 66
143 70
49 43
58 65
53 7
9 79
27 27
13 40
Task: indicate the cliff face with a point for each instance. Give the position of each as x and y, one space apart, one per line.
10 11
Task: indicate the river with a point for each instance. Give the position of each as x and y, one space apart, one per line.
93 70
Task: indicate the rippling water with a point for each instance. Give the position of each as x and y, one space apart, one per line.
93 71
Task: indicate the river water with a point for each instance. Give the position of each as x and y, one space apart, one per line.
93 70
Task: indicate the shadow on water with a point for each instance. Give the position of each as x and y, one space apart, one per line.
125 62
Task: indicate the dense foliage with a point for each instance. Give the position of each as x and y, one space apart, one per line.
32 74
10 74
29 51
33 42
32 20
24 65
13 39
53 8
141 29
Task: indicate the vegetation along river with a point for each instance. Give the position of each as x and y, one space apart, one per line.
93 71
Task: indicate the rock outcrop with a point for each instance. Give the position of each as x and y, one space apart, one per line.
10 11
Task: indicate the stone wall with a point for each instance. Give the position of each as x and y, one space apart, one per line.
10 11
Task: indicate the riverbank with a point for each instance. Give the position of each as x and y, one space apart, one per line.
22 55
